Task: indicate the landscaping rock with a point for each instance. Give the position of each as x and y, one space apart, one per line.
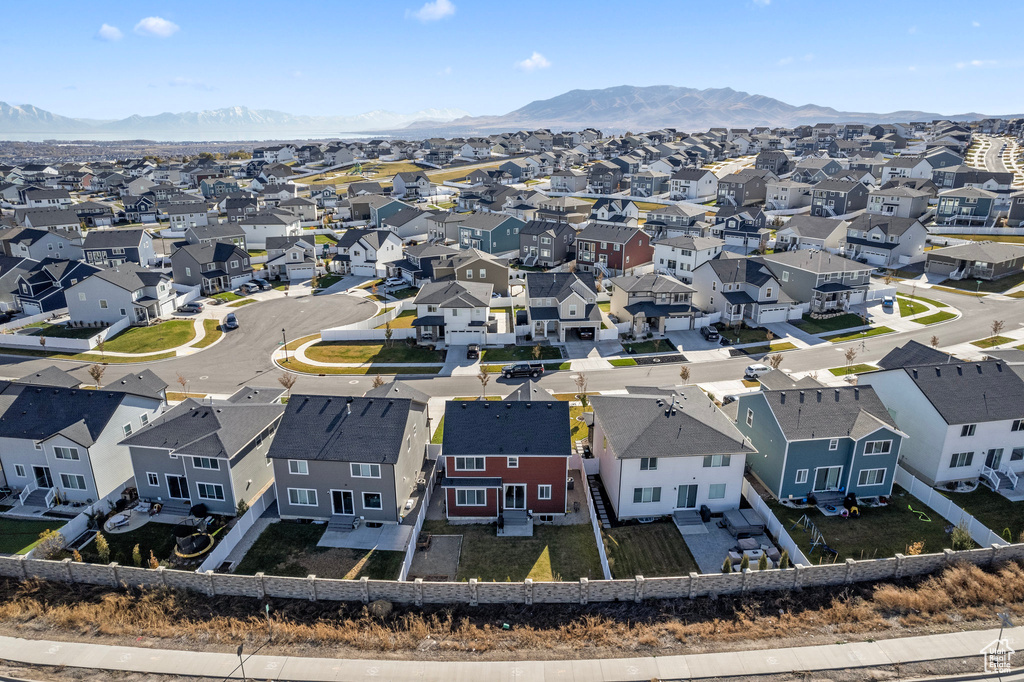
381 608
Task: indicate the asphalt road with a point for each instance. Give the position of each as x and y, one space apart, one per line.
243 358
993 156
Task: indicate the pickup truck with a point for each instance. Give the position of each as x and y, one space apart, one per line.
532 369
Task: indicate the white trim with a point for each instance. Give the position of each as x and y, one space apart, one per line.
370 492
352 493
64 478
188 489
860 475
314 497
353 465
476 492
199 491
798 480
149 481
296 472
540 491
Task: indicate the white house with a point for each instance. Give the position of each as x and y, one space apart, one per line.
271 223
452 310
127 290
693 184
367 252
663 453
680 256
964 419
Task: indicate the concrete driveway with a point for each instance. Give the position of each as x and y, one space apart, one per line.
457 364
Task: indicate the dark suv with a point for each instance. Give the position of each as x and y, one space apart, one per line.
709 333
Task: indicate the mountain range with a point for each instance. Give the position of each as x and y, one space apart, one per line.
613 109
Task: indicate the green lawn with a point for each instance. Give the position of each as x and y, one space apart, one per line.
553 553
87 357
60 331
405 292
289 549
812 326
371 351
852 369
1001 516
256 253
403 321
327 281
653 550
743 334
995 286
930 301
874 331
652 346
992 341
623 362
958 291
775 347
879 532
153 339
606 306
520 354
935 318
239 304
296 366
152 536
577 429
226 296
438 436
213 332
908 307
325 239
18 536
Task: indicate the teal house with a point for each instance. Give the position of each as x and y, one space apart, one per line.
827 441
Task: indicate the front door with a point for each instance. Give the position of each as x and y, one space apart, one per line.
43 477
343 502
687 498
827 478
177 487
515 496
994 458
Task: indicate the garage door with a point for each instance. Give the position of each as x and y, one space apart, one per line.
31 308
300 273
769 315
463 338
875 258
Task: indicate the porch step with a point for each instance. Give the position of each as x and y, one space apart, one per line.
343 523
37 498
1004 481
175 507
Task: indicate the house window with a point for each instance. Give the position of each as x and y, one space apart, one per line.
833 444
572 311
871 477
716 491
153 479
644 495
373 501
210 491
144 419
768 292
66 453
188 273
469 463
513 462
302 497
877 447
648 463
206 463
967 430
470 497
716 461
365 470
961 459
469 273
299 467
103 304
1017 454
1018 425
544 492
72 481
19 470
483 273
750 417
801 476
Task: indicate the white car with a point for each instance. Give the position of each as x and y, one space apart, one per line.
755 372
394 282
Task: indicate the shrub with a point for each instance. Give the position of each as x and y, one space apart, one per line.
744 563
961 537
762 563
915 548
102 548
153 563
727 566
76 555
241 508
137 556
784 561
50 542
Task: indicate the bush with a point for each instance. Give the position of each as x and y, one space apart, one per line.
50 542
137 556
744 563
242 507
727 566
961 537
784 561
102 548
762 563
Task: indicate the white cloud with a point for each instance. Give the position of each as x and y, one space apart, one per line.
976 24
911 68
533 62
432 11
109 33
976 63
156 26
785 60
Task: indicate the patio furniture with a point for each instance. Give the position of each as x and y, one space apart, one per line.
747 544
754 520
736 523
143 507
118 520
735 557
773 553
423 541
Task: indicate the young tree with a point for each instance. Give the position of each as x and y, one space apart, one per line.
997 327
851 355
101 347
287 379
935 342
774 360
536 352
684 374
50 542
96 372
484 376
42 341
657 345
581 387
598 278
890 276
762 562
102 548
768 335
183 381
137 556
388 333
378 381
784 561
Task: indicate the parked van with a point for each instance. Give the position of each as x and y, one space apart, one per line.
888 302
755 372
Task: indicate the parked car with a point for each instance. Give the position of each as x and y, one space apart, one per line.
585 333
194 307
888 302
8 315
755 372
231 322
709 333
532 369
260 284
472 351
394 282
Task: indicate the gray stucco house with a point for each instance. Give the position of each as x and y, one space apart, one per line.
215 267
827 282
110 294
885 242
546 243
345 460
827 441
198 453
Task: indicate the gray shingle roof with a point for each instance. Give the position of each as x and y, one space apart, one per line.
913 353
849 411
988 252
815 261
448 294
558 285
649 426
51 376
39 412
397 389
813 227
512 427
103 239
966 393
206 430
340 429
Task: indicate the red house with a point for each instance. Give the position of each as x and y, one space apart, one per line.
505 459
614 248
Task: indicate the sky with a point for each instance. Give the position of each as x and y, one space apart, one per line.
112 59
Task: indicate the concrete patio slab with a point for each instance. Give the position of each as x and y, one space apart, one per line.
389 537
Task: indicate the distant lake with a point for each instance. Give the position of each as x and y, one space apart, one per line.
186 136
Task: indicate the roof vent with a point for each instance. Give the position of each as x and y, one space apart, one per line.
801 396
528 405
979 369
549 406
959 370
782 397
914 372
508 406
463 406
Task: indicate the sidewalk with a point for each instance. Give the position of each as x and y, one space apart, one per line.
742 664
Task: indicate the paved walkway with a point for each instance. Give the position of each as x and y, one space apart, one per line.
740 664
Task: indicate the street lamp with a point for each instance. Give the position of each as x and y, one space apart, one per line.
241 663
284 343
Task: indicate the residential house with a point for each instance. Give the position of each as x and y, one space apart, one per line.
649 183
559 302
569 180
652 303
302 208
615 212
693 184
39 286
348 460
270 223
680 256
786 194
38 243
775 161
612 250
209 454
493 233
963 420
407 223
218 186
659 454
829 283
898 202
214 266
976 260
906 167
563 210
885 242
124 291
472 265
831 198
418 265
113 247
291 259
454 311
506 460
232 234
1015 215
673 220
367 253
604 177
65 441
814 169
811 232
966 176
412 184
546 243
742 290
744 187
54 219
966 206
444 226
48 198
827 441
